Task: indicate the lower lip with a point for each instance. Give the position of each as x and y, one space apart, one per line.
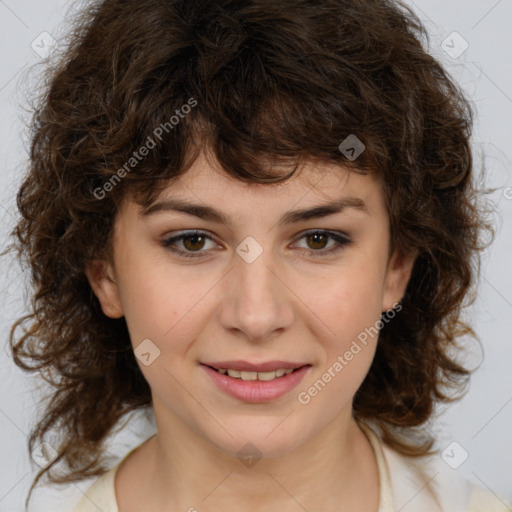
256 391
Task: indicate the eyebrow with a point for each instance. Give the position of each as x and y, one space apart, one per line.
208 213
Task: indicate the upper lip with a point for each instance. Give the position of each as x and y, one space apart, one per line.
268 366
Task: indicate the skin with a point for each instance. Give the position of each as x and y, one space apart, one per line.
287 305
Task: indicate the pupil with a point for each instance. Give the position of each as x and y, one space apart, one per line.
195 237
316 236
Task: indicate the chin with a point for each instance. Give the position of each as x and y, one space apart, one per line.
260 438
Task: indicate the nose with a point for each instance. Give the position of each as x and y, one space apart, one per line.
257 301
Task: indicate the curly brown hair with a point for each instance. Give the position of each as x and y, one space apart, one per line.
269 81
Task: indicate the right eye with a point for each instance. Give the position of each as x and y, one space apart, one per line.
192 241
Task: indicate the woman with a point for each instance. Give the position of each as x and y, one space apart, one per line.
257 220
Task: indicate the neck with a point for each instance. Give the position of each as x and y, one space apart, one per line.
336 468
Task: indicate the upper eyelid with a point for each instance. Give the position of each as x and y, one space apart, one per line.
184 234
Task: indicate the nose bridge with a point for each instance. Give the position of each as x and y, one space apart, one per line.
258 303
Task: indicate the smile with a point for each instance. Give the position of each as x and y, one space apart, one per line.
265 376
256 386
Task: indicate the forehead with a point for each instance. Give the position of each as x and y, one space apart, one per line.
313 183
316 189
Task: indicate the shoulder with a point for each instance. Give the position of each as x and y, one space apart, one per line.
429 484
100 495
483 500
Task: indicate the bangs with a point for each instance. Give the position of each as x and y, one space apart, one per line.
256 105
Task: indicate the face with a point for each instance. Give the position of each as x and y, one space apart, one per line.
287 276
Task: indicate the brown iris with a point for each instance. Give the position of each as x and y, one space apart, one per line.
316 237
197 239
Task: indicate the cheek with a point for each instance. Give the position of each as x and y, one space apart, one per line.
351 311
349 306
349 302
161 303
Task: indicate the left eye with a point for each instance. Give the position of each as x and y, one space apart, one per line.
193 242
318 238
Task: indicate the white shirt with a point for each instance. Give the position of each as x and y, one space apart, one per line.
405 486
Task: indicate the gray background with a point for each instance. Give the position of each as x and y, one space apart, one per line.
480 424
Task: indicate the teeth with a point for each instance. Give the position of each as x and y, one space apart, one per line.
265 376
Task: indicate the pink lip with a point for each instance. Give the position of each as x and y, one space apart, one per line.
245 366
256 391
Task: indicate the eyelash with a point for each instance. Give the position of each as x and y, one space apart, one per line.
341 241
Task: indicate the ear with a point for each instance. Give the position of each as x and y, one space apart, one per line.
398 274
100 276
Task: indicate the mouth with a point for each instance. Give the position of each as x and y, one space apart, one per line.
255 383
245 370
252 375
